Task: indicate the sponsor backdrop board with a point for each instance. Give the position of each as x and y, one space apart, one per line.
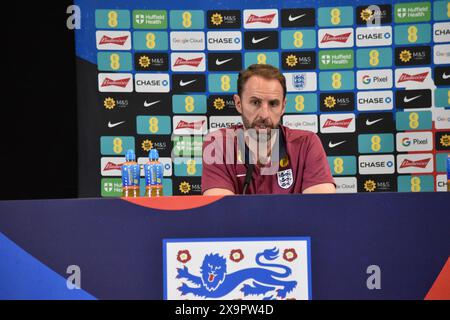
153 74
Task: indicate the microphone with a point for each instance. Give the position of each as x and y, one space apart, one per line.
248 177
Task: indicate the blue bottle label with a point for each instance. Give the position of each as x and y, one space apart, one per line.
130 175
448 168
153 174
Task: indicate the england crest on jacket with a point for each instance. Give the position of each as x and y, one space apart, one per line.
285 178
247 269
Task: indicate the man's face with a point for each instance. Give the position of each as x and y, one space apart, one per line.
262 103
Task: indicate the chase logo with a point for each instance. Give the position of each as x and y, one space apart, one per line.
150 41
407 56
113 40
414 141
298 60
114 61
366 16
335 16
441 32
412 12
298 39
115 146
151 61
376 143
224 19
271 58
375 100
188 167
342 165
149 19
373 37
295 18
261 19
152 82
376 164
186 104
216 123
415 183
187 19
412 34
416 120
337 102
224 40
112 19
374 58
156 125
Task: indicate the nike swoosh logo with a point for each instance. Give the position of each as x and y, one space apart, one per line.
146 104
406 99
255 41
219 63
183 84
291 18
369 123
112 125
445 76
333 145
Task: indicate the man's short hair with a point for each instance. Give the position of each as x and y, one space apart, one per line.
265 71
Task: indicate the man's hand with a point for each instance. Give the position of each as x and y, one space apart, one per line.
321 188
218 192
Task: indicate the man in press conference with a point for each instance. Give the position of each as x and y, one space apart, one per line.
261 156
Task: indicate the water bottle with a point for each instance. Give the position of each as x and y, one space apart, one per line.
130 176
153 175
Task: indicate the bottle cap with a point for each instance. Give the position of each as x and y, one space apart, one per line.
153 155
130 156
